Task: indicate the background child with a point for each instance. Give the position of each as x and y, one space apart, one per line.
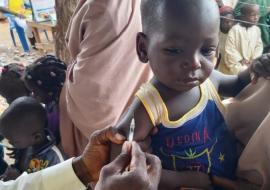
11 82
23 124
45 79
3 164
244 42
182 100
226 23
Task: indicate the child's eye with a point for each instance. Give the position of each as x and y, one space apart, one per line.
208 51
173 51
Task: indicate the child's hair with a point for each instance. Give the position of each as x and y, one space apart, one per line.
11 82
21 109
244 8
47 74
267 49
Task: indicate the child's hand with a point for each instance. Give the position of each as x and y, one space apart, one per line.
10 174
260 67
13 153
244 62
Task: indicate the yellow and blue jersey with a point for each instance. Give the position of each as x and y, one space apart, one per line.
198 141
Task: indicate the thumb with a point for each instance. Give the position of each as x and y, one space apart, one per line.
254 77
104 136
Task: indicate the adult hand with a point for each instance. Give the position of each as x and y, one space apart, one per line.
96 154
143 171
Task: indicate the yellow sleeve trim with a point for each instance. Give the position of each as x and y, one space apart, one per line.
142 98
188 116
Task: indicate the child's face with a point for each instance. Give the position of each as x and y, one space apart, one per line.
226 24
181 51
19 139
252 15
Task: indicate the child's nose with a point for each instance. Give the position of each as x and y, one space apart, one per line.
192 63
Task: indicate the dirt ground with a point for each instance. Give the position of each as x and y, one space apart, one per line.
11 54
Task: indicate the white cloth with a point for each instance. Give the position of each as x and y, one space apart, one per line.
58 177
231 3
221 50
242 43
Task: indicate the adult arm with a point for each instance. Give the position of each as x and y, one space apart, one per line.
231 85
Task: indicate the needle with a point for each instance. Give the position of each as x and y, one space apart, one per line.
131 130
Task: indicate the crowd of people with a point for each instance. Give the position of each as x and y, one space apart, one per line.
152 68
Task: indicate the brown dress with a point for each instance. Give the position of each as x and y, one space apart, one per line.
105 71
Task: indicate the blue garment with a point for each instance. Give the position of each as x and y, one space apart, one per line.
199 140
202 144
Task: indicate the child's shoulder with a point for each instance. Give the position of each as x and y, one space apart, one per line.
237 28
143 124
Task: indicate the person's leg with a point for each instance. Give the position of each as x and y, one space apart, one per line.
27 30
21 35
246 111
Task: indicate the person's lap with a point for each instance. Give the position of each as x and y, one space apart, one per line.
249 118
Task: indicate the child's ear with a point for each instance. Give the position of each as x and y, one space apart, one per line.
38 137
141 47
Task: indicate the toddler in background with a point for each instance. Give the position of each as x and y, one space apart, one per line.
45 79
244 43
23 124
11 82
226 23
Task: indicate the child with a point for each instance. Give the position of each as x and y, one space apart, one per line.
3 164
23 124
45 78
179 39
226 23
244 43
11 82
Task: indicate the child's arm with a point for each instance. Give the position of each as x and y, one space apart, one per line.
185 179
144 127
231 85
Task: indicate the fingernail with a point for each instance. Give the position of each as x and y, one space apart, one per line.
252 76
119 137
